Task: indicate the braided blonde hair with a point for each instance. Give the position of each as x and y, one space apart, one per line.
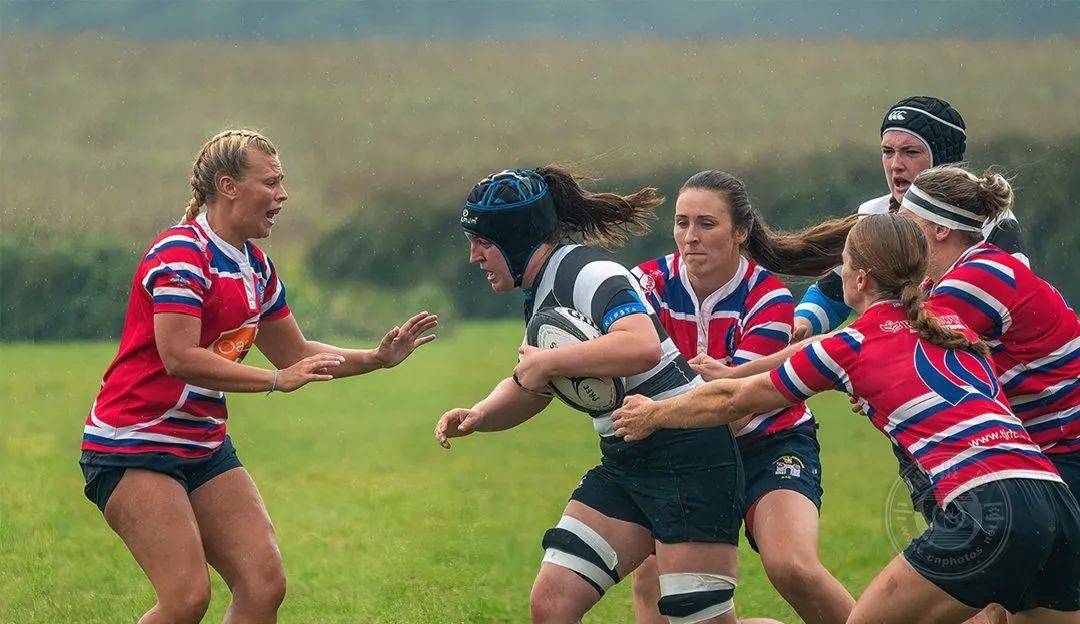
221 156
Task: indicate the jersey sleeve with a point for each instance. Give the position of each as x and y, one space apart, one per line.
175 276
274 305
820 366
979 291
767 326
823 304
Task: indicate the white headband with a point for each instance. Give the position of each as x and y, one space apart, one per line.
942 213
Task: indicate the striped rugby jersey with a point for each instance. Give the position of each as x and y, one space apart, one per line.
1033 334
745 319
823 303
187 270
943 407
588 280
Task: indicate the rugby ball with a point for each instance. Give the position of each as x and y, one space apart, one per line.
551 328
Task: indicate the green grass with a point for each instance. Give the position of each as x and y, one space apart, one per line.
376 522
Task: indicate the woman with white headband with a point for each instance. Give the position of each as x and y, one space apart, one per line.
1034 334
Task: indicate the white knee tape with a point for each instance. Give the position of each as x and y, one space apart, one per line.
682 586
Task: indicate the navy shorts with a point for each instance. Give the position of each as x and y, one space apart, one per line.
1015 542
684 485
789 460
103 471
1068 464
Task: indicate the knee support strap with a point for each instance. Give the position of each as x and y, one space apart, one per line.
574 545
686 597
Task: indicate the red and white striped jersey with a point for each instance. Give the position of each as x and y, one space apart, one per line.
748 317
1033 334
187 270
943 407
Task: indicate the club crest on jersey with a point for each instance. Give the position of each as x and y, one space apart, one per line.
648 282
789 466
260 287
179 280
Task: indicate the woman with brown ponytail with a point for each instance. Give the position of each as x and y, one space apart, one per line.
721 308
678 493
156 457
1034 333
1005 528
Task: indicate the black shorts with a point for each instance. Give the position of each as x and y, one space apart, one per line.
1068 464
789 460
684 485
103 471
1015 542
918 485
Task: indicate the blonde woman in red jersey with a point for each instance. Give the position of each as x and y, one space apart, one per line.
156 457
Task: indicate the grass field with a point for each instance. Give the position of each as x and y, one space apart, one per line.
377 523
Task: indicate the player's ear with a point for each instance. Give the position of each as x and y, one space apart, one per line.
227 187
941 233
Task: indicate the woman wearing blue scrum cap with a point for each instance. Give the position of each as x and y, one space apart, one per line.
676 492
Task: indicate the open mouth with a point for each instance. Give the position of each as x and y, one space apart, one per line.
270 214
901 184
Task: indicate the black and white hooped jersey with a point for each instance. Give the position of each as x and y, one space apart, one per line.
589 281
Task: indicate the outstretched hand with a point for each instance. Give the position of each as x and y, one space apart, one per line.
456 423
635 420
400 342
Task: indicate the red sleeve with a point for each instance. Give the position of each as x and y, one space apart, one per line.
175 275
820 366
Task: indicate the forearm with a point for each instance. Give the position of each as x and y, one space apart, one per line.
617 354
766 363
357 361
508 406
200 367
708 405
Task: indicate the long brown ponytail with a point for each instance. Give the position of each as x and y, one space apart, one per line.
808 252
605 219
894 251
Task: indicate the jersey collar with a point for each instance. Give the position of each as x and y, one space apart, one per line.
233 253
718 295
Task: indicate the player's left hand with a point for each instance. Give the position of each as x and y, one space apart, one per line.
532 372
400 342
636 419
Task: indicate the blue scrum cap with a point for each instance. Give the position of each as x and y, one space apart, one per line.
515 211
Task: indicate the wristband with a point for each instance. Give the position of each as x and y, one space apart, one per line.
273 385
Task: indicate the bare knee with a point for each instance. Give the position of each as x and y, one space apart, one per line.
261 587
187 603
795 576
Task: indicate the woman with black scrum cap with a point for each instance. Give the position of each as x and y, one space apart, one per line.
678 492
917 133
